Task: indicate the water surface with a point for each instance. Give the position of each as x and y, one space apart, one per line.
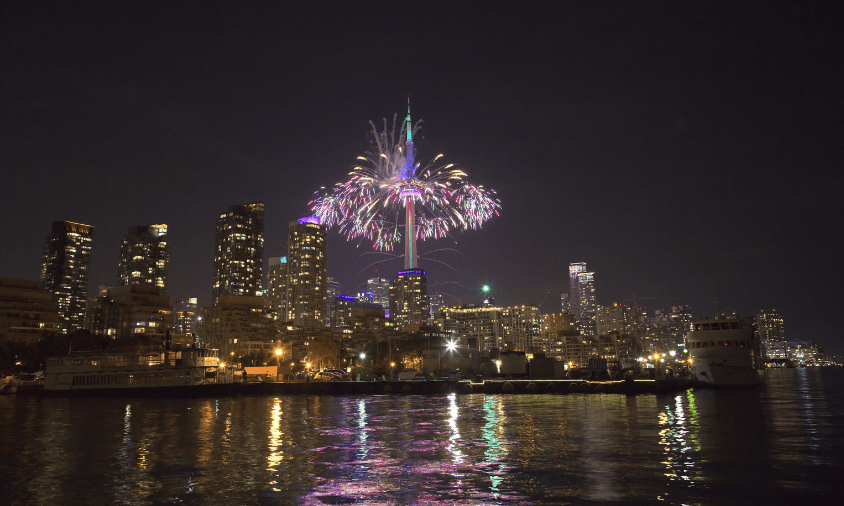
779 444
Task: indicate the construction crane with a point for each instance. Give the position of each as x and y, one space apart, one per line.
637 299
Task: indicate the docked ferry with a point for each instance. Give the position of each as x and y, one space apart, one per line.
172 368
724 353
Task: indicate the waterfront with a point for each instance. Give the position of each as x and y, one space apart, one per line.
779 444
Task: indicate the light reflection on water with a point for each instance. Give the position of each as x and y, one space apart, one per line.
780 443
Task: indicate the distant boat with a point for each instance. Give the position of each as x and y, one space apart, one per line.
724 353
176 368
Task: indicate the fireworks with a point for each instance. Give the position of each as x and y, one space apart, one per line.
388 191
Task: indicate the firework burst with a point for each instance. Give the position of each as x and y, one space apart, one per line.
388 192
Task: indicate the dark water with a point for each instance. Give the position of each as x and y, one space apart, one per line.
781 444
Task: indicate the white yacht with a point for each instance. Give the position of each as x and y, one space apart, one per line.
725 353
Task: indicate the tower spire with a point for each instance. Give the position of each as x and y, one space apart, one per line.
408 126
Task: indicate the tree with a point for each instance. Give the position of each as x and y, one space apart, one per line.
324 352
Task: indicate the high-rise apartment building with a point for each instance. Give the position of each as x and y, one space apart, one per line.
306 267
277 288
144 257
618 318
239 253
582 296
26 311
64 271
380 289
409 298
771 326
487 328
186 316
332 290
575 268
130 310
565 303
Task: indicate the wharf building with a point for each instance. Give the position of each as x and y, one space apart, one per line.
64 271
144 257
186 316
307 272
27 313
409 298
239 251
277 288
122 312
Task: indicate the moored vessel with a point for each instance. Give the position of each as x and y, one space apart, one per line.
131 370
724 353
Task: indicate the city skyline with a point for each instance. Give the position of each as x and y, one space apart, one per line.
681 151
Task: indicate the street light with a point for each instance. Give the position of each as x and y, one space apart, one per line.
450 346
277 362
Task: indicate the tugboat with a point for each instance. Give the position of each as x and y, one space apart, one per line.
724 353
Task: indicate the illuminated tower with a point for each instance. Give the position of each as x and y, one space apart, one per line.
306 268
411 256
239 253
144 256
64 271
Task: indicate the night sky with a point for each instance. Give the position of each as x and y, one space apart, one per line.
680 149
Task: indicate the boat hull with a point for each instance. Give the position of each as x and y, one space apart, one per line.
726 376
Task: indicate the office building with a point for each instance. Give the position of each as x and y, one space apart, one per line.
277 288
144 257
306 266
64 271
239 252
409 298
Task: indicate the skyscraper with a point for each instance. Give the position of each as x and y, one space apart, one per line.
409 298
583 301
575 269
277 288
64 271
144 257
306 267
239 253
